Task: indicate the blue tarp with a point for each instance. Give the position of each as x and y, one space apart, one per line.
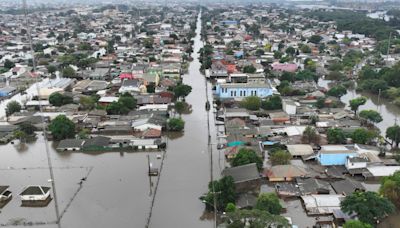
235 143
269 143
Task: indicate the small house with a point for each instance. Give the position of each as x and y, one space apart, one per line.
284 173
321 204
5 194
70 145
300 150
335 154
347 187
245 177
35 193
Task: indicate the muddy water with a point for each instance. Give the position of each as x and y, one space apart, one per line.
116 192
186 171
389 111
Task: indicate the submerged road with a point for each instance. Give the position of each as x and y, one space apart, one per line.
186 170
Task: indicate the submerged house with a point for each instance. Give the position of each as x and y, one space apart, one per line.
241 90
35 193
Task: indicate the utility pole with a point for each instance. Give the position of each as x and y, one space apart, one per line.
149 173
388 48
46 144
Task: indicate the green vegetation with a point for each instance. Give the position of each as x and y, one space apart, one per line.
125 104
369 206
356 224
371 115
357 102
182 90
62 127
280 157
315 39
12 107
247 156
310 135
68 72
88 102
363 136
27 128
393 133
224 192
357 22
390 188
269 202
249 69
251 103
336 136
337 91
176 124
58 99
272 103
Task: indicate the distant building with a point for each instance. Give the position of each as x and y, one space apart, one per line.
238 90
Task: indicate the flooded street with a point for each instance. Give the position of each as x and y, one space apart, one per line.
186 170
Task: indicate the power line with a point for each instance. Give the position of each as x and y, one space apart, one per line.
53 184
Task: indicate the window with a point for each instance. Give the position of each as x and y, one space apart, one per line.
231 93
241 93
235 94
244 93
255 92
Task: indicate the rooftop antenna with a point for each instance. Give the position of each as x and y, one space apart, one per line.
53 184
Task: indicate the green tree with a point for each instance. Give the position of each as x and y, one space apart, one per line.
363 136
393 133
310 135
247 156
371 115
87 102
280 157
336 136
27 128
249 69
337 91
315 39
224 192
290 51
277 54
251 103
12 107
180 107
356 224
269 202
357 102
20 135
83 134
272 103
390 188
58 99
320 102
369 206
230 207
306 75
68 72
127 101
305 48
51 69
255 218
9 64
61 128
182 90
176 124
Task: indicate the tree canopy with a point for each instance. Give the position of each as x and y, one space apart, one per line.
371 115
255 218
280 157
58 99
393 133
336 136
247 156
369 206
310 135
182 90
272 103
176 124
357 102
61 128
269 202
251 103
356 224
390 188
12 107
224 192
337 91
363 136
